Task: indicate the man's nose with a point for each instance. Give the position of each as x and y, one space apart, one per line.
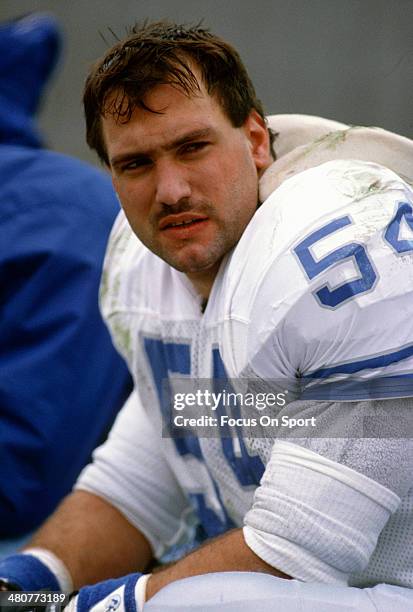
172 184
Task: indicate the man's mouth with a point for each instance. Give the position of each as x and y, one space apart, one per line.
182 221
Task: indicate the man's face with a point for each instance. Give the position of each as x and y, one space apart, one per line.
186 178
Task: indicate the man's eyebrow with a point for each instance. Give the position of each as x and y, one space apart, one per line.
194 135
125 157
174 144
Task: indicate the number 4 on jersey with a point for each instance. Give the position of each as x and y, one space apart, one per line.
392 233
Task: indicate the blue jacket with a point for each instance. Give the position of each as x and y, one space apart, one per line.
61 381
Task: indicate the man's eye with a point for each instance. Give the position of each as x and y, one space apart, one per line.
194 147
135 164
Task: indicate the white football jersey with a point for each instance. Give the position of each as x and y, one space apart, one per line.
317 296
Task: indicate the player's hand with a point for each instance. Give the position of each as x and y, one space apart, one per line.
121 594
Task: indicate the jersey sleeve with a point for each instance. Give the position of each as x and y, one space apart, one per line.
333 302
317 519
131 472
330 316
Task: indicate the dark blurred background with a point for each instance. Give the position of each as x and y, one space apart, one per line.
350 60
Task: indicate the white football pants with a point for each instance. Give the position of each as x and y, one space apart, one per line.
253 592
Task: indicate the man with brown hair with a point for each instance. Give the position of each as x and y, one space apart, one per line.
296 291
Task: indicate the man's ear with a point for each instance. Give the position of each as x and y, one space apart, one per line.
257 133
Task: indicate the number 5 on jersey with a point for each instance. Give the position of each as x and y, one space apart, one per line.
333 298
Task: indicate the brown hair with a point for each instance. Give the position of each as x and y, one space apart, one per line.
157 53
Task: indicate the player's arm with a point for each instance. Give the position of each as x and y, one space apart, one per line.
93 540
225 553
321 505
87 540
115 522
312 518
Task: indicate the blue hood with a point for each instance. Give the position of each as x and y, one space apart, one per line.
29 49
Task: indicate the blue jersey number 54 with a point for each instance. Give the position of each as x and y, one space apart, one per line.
333 297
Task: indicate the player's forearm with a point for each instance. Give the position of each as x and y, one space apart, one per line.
93 540
225 553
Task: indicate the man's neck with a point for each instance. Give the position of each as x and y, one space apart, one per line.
203 281
202 286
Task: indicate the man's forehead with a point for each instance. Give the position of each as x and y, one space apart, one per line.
171 116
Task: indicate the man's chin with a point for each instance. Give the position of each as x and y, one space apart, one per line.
191 267
194 265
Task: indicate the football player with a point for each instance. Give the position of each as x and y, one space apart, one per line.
227 266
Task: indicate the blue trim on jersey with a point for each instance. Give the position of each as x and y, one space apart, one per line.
366 389
380 361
